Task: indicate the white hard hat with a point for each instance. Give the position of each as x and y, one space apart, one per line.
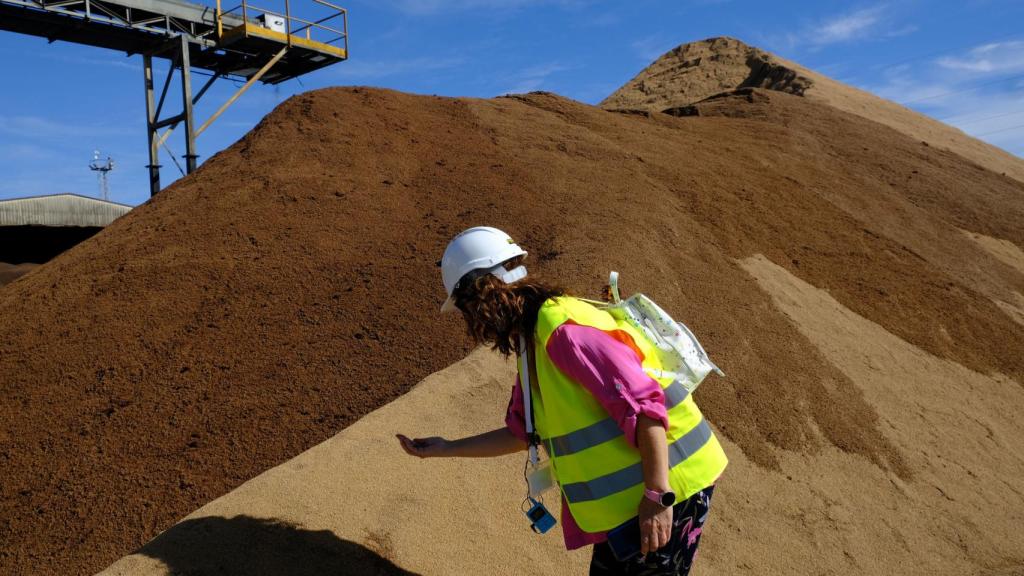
478 248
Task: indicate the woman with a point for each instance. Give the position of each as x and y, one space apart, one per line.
623 445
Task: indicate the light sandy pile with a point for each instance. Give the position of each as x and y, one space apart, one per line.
1009 254
1005 251
11 272
356 504
692 72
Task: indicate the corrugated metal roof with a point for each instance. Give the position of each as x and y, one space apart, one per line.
60 210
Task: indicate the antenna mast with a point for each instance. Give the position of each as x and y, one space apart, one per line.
102 168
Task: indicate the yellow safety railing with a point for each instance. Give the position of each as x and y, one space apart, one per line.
295 27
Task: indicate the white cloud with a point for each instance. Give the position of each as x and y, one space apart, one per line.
988 58
601 20
38 128
901 84
543 70
996 119
970 92
425 7
871 23
849 26
371 70
999 112
652 47
902 31
129 63
592 93
534 77
71 177
26 152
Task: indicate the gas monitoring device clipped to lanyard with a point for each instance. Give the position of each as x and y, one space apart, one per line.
539 476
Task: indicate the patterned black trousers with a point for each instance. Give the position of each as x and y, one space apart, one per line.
675 558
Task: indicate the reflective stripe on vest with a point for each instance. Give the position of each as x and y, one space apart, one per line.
607 429
631 476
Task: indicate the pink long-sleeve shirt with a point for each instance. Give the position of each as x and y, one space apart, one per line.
610 370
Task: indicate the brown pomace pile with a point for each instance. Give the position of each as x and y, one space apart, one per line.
291 285
696 71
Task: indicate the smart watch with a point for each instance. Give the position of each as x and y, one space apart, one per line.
666 498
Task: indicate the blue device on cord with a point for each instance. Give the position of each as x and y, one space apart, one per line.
541 519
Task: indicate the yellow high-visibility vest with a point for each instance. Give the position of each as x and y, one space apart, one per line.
598 470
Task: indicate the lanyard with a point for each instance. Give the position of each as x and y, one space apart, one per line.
524 383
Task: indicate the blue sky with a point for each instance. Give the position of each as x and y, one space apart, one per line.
961 62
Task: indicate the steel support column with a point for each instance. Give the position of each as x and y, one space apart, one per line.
153 108
186 100
152 138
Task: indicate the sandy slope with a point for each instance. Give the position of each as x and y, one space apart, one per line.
1008 253
425 516
1005 251
822 512
691 72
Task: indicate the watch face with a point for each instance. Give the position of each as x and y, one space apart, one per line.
668 499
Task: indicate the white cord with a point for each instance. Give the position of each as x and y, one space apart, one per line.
524 382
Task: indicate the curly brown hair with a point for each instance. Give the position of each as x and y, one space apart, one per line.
496 313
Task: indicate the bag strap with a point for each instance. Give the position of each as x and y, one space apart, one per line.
613 285
525 378
613 288
528 373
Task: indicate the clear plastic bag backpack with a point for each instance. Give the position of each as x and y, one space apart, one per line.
682 357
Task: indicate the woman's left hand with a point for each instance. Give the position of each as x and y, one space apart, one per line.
655 525
423 447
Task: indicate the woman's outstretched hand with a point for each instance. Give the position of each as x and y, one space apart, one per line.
494 443
423 447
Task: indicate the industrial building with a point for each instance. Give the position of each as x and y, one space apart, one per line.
33 230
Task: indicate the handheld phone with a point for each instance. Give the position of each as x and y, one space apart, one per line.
540 519
624 540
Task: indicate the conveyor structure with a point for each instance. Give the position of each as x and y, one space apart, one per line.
243 42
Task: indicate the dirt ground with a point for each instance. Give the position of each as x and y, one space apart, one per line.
290 286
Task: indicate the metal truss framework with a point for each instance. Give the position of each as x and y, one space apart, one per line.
180 60
227 44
